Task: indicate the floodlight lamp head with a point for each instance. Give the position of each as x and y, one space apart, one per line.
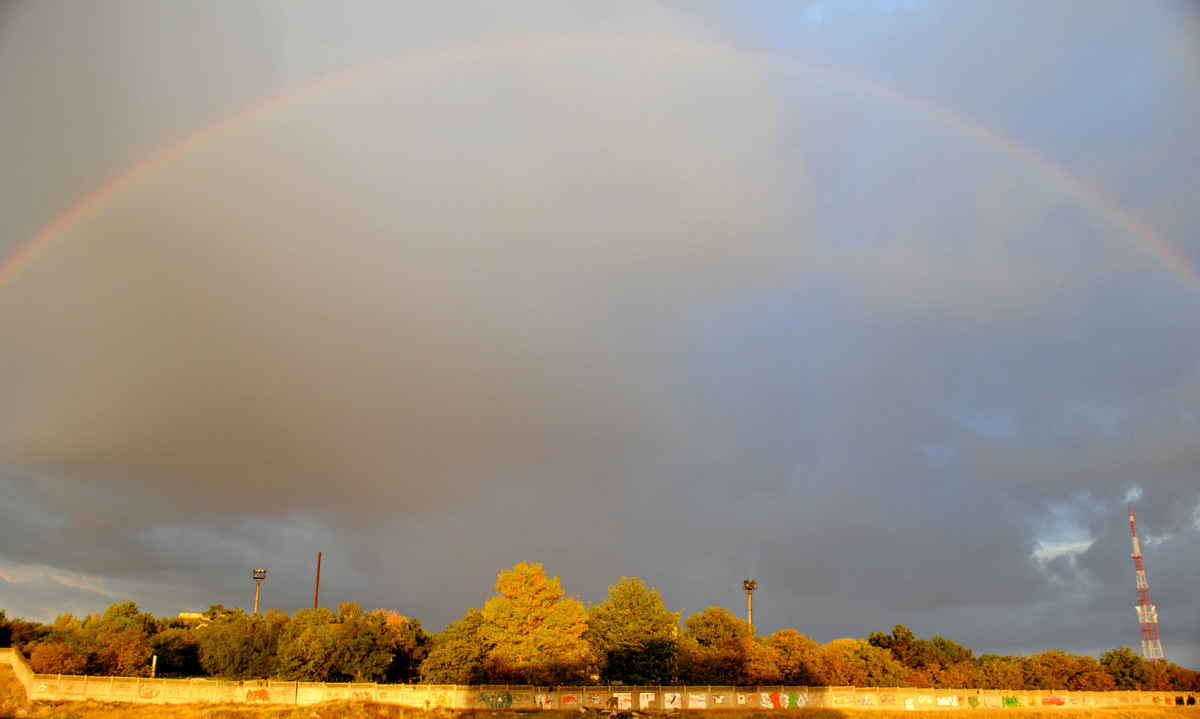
260 573
750 584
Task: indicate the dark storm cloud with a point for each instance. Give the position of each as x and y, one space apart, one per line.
628 307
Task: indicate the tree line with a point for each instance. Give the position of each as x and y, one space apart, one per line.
531 632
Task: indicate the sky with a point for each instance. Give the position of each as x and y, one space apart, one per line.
891 306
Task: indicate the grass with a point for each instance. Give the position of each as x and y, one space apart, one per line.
15 705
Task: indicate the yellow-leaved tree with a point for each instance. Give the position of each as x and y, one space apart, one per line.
533 631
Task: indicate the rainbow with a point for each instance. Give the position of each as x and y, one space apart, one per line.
1104 207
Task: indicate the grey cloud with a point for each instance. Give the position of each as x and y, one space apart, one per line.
622 306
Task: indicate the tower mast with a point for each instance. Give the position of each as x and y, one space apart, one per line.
1147 614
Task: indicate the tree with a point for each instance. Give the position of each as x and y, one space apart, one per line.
1000 672
534 632
18 633
178 653
234 645
308 647
632 636
457 654
1128 669
797 660
409 645
56 656
712 648
120 651
857 662
762 664
365 644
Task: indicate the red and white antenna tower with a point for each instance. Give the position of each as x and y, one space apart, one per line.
1147 614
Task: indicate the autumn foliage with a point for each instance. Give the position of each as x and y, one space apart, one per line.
532 632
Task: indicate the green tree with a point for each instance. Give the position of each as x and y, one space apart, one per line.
1128 669
632 636
19 633
308 648
234 645
365 644
409 645
178 653
534 632
713 647
457 654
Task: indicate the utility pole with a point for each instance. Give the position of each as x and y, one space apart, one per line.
1147 614
317 590
750 585
259 575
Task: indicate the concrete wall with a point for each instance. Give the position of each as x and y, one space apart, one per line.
56 687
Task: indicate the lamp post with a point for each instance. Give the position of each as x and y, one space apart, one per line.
259 575
750 585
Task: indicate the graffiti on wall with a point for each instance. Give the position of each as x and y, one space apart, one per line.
496 700
258 695
148 691
672 701
646 699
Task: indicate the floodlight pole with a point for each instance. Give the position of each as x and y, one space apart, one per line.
259 575
750 585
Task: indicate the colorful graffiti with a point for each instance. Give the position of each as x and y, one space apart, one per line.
1053 701
1011 702
496 700
646 700
258 695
